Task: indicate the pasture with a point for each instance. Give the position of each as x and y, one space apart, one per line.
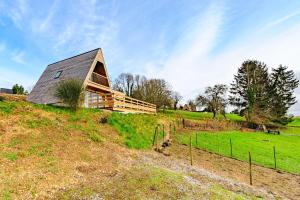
200 115
260 145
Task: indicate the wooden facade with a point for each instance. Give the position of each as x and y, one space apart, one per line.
91 69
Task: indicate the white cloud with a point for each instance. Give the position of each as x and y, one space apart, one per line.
17 12
186 67
193 66
86 25
281 20
43 25
18 57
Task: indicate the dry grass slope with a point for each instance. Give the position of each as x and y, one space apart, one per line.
53 153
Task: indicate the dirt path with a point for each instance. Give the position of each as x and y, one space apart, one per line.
280 184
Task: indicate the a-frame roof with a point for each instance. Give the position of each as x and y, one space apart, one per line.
76 67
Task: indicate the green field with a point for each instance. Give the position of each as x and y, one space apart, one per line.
295 122
290 130
259 144
200 115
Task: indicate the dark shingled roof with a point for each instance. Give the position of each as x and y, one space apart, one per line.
76 67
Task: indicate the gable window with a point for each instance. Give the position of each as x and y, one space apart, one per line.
58 73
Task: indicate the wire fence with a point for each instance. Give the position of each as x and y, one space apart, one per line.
280 152
264 152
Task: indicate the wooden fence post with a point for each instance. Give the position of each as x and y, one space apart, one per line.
230 148
174 129
250 168
275 164
154 136
163 133
191 156
183 123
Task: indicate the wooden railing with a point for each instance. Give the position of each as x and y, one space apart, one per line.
118 101
98 78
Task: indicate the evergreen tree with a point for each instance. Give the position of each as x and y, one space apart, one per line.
283 84
249 91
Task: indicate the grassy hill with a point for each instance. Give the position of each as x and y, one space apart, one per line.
47 151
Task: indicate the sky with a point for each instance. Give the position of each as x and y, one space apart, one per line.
190 43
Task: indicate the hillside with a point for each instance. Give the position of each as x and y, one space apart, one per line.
50 152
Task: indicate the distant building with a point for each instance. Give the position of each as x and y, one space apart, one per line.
6 91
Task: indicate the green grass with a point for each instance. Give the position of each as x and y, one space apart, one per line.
136 129
7 107
290 130
200 115
95 137
259 144
11 156
295 122
6 195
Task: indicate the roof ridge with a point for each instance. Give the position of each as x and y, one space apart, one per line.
74 56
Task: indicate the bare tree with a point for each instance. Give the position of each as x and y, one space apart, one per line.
156 91
124 83
214 99
176 98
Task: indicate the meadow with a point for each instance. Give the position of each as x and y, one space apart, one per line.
287 148
43 139
200 115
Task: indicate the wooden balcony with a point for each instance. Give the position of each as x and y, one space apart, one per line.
118 101
98 81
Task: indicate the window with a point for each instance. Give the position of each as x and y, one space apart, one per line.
57 75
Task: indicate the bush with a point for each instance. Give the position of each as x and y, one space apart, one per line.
70 92
2 98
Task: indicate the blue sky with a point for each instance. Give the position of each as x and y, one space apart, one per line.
192 44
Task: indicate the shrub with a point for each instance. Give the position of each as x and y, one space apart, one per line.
2 98
70 92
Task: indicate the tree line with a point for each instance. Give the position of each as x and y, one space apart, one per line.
255 93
